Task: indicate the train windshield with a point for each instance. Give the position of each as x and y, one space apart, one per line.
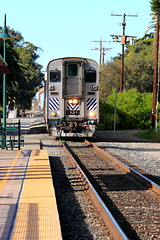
55 76
72 70
90 76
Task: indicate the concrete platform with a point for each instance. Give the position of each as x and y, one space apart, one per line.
31 142
28 208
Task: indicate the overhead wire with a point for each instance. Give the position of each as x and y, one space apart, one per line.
137 10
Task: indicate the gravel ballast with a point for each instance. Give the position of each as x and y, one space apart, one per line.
127 145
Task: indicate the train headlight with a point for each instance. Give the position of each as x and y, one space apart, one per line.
92 114
73 100
53 114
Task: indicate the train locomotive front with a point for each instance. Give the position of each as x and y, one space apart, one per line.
72 96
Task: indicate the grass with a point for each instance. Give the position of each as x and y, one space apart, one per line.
150 134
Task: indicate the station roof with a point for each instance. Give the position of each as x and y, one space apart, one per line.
3 66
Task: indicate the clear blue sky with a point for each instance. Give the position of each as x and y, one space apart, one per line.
65 28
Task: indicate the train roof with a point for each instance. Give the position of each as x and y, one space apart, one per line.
70 58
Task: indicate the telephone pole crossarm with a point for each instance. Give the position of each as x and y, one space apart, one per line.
101 49
127 15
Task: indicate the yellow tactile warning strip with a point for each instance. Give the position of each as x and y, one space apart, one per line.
37 216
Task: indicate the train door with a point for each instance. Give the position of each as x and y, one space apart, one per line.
73 79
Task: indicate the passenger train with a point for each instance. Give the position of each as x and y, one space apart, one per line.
71 106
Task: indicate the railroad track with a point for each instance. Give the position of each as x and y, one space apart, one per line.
132 199
78 215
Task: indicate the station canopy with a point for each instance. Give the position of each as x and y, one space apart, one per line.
3 66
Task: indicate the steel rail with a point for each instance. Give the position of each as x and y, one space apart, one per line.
155 187
104 212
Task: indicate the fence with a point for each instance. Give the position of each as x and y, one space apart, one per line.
13 137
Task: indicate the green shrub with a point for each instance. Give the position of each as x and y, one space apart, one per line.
133 110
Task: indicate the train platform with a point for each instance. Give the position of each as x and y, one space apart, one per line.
28 208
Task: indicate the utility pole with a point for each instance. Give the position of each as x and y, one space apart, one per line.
102 51
155 78
123 42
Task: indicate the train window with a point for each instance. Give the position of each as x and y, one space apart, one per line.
90 76
72 70
55 76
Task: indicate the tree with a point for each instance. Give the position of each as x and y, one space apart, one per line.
26 73
155 6
138 71
109 78
139 64
32 74
15 69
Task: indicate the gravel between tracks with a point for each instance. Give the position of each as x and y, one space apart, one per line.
140 152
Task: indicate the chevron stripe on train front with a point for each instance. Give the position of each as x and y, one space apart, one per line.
53 103
91 104
72 106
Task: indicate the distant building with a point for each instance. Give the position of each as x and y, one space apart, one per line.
41 98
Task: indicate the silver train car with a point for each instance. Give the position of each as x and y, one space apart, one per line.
71 100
